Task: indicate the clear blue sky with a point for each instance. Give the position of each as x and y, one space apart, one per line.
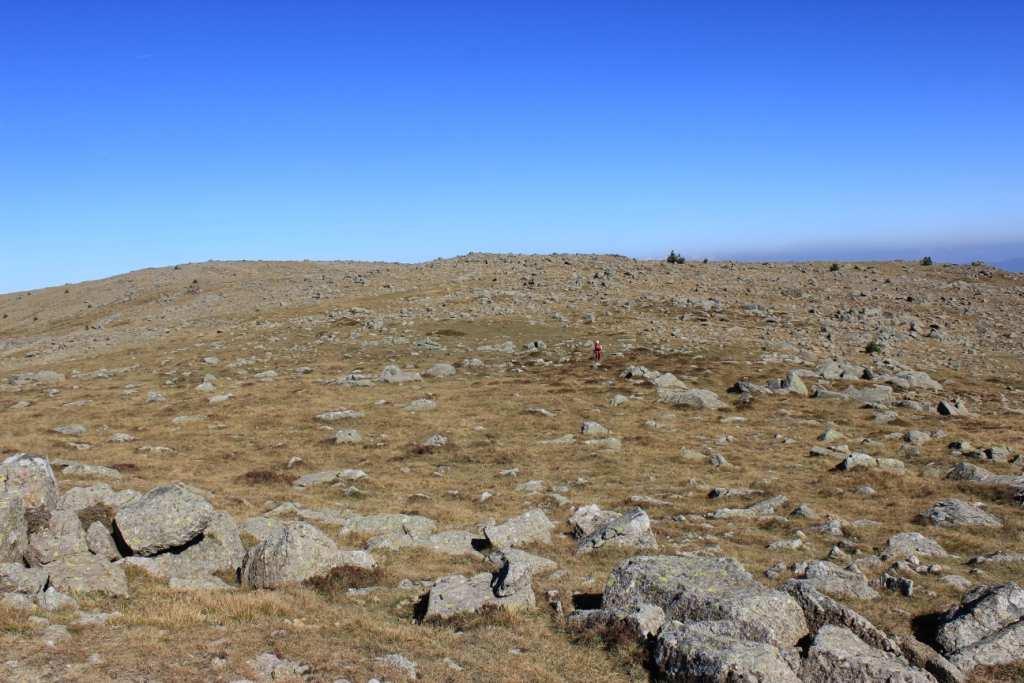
150 133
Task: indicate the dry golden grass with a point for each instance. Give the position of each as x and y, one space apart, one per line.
239 453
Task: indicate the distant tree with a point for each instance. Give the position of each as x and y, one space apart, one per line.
673 257
926 261
834 267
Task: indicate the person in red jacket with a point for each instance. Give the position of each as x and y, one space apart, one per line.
598 352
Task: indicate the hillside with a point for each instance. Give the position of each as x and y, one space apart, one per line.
410 411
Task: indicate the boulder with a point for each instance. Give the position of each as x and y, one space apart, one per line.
954 512
294 553
629 530
533 526
16 578
829 579
165 517
13 528
837 655
986 629
101 543
31 478
690 398
821 610
912 543
695 588
62 536
711 652
87 573
611 624
508 588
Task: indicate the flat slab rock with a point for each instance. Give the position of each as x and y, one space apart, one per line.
711 651
456 595
533 526
837 654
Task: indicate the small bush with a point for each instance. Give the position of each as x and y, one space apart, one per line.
673 257
926 261
873 347
833 268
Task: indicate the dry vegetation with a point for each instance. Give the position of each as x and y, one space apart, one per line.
153 329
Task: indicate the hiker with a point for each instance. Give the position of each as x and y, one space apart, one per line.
598 352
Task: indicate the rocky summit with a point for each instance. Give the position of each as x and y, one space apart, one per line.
340 471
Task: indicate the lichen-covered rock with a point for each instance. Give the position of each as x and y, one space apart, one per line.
81 497
456 595
837 655
587 519
533 526
694 588
62 536
101 543
16 578
163 518
821 610
220 550
840 583
13 528
912 543
954 512
987 628
294 553
87 573
690 398
711 652
611 624
31 478
629 530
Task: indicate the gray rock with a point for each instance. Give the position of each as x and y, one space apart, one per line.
270 667
456 595
690 398
165 517
821 610
13 528
954 512
706 589
538 565
838 655
533 526
294 553
338 416
31 478
638 624
629 530
829 579
16 578
986 629
392 374
439 370
52 600
923 657
62 536
87 573
101 543
420 405
344 436
711 652
591 428
910 543
81 497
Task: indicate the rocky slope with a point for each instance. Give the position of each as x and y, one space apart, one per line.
347 471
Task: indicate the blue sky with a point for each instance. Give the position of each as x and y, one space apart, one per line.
137 134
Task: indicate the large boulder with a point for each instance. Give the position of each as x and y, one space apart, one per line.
712 652
164 518
837 655
986 629
16 578
31 478
13 528
294 553
694 588
220 550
